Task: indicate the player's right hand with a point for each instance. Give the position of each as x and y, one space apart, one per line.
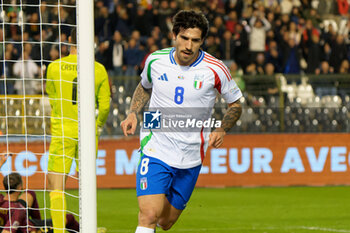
129 124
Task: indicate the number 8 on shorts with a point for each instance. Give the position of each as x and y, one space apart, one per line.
144 166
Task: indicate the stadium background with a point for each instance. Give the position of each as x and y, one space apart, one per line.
290 58
293 70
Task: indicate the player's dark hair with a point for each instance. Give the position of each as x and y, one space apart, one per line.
185 19
73 35
12 181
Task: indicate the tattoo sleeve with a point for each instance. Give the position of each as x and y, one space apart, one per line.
232 114
140 98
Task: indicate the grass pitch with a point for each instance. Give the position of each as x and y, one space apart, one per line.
257 210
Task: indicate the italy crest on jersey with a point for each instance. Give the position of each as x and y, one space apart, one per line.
198 81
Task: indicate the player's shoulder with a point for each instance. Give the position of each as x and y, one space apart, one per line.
99 66
54 63
100 72
210 60
160 54
163 52
67 59
216 65
158 57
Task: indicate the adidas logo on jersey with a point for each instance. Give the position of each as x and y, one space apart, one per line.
163 77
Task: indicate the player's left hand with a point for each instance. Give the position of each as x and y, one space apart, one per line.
129 124
216 138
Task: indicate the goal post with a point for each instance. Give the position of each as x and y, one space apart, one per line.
34 95
87 134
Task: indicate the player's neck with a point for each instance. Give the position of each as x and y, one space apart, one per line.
73 50
188 63
12 197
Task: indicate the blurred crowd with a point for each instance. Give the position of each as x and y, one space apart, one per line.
33 33
251 36
261 37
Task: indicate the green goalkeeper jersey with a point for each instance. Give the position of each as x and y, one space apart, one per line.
61 86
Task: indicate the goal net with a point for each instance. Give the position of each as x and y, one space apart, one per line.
33 34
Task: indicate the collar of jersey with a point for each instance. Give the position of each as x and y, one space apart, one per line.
196 62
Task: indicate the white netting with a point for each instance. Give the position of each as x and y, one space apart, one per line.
33 33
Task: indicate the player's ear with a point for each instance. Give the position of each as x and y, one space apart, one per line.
174 36
69 39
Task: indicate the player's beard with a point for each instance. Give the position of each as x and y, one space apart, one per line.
186 57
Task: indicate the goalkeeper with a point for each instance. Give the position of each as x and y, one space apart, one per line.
61 86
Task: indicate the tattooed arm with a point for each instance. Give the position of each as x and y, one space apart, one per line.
234 111
139 99
231 116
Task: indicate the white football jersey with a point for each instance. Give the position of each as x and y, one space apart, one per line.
184 88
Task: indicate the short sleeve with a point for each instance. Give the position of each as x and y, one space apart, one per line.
146 75
230 91
225 84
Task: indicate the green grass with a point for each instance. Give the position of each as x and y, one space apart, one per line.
257 210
